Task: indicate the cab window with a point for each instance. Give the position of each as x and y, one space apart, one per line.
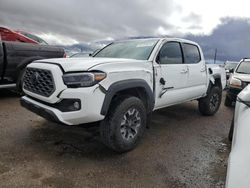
170 53
191 53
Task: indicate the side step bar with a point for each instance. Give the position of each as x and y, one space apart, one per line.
7 86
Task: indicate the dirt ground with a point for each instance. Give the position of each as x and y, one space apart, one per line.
181 149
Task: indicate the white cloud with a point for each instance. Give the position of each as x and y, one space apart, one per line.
89 20
211 12
57 39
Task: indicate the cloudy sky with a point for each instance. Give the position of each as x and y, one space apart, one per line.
73 21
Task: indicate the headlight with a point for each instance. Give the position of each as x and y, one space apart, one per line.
235 82
84 79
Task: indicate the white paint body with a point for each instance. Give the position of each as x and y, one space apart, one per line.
238 172
189 82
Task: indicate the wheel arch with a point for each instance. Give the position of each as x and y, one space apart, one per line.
215 80
21 66
133 87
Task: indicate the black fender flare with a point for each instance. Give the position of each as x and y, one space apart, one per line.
211 83
27 61
217 76
127 84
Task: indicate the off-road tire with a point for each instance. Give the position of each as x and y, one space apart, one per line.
210 104
228 102
111 127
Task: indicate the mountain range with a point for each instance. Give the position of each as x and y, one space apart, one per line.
230 39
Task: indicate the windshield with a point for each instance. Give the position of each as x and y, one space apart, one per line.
230 66
134 49
35 38
244 67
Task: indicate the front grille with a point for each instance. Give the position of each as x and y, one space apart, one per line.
39 81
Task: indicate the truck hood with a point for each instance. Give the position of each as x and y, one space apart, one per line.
243 77
84 64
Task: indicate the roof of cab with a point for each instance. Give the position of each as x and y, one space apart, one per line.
160 38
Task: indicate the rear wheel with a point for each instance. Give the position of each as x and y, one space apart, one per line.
124 124
210 104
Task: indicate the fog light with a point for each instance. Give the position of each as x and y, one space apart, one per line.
68 105
77 105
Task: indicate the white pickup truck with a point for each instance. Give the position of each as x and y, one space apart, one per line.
122 85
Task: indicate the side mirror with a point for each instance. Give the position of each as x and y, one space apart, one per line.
231 70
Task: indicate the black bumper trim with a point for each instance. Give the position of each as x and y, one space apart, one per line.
232 93
45 113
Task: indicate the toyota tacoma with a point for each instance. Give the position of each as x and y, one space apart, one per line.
121 85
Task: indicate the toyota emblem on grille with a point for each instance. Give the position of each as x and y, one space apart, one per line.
35 78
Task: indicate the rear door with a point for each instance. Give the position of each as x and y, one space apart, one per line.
170 75
197 74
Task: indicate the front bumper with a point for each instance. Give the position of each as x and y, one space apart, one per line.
39 110
91 103
232 93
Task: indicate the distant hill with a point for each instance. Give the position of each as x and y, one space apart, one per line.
84 47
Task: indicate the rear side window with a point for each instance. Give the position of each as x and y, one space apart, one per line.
191 53
170 53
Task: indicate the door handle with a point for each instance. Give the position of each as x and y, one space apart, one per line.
203 69
184 71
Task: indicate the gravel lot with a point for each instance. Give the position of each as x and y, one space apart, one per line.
181 149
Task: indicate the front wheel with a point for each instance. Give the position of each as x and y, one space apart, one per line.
210 104
124 124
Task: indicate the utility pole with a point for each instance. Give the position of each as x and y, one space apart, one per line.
215 55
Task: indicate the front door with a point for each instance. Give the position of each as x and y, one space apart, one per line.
171 75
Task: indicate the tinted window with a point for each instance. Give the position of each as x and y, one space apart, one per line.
35 38
170 53
191 53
